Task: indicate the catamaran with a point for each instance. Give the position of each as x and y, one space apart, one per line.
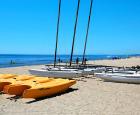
56 73
120 77
66 72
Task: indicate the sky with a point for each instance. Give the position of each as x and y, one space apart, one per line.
29 26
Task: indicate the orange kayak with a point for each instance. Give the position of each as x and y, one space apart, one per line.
7 79
6 76
35 87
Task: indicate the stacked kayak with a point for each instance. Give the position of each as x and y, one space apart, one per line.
32 86
9 79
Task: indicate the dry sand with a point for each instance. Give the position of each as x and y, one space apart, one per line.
128 62
93 97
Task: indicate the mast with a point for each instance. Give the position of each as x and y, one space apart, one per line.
56 45
89 18
75 27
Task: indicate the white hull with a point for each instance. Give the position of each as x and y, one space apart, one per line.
124 72
56 74
91 71
125 78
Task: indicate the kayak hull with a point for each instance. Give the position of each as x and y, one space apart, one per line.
43 92
34 87
6 80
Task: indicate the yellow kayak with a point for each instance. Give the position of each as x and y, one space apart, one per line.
6 76
48 89
7 79
34 87
17 87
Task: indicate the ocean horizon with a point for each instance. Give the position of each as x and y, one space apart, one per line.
15 60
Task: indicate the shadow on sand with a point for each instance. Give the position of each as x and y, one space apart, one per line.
15 98
1 93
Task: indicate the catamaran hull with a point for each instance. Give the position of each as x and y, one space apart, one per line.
92 71
123 79
56 74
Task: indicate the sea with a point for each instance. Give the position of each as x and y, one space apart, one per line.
14 60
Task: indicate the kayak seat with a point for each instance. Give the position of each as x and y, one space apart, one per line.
8 81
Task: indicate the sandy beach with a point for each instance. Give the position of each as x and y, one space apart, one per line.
70 39
89 97
128 62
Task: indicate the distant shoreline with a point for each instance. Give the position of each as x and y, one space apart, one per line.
128 62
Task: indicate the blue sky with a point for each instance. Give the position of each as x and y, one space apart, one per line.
29 26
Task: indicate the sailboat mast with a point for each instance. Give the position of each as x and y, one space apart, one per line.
56 45
74 32
89 18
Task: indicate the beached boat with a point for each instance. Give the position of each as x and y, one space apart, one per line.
56 73
91 71
123 71
35 87
6 79
119 77
6 76
119 73
63 72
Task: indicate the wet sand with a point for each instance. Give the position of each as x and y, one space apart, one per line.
89 97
